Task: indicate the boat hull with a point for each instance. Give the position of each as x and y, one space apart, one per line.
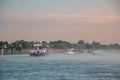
37 54
98 52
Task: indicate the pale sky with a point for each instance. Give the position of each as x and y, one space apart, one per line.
69 20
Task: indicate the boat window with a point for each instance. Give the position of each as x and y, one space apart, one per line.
40 47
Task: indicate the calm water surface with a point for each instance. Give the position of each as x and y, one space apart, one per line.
60 67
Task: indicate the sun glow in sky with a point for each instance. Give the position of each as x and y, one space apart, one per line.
69 20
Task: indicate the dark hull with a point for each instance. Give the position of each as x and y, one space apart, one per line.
37 54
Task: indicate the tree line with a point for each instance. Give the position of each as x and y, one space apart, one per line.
59 44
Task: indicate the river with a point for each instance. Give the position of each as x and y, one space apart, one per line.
60 67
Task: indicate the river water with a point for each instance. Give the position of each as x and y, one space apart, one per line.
60 67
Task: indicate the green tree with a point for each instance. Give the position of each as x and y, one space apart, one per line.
88 46
81 44
44 44
95 45
59 44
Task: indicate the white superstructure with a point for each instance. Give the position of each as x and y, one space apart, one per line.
37 49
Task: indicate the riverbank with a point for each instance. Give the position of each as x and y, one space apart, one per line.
26 51
111 50
7 52
64 50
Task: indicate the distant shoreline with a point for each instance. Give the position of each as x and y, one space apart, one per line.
104 50
26 51
111 50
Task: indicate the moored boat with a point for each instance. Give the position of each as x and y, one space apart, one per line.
70 51
37 49
98 52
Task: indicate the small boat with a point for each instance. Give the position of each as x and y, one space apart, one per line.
98 52
37 49
70 51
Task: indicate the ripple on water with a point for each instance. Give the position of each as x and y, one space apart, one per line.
60 67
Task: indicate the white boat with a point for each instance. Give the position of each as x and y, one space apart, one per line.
37 49
98 52
70 51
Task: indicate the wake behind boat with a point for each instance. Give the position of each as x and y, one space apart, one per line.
37 49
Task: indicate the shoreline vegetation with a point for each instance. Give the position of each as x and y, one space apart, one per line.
56 51
23 47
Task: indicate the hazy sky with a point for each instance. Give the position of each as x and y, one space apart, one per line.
69 20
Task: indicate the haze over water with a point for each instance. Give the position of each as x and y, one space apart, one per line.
60 67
